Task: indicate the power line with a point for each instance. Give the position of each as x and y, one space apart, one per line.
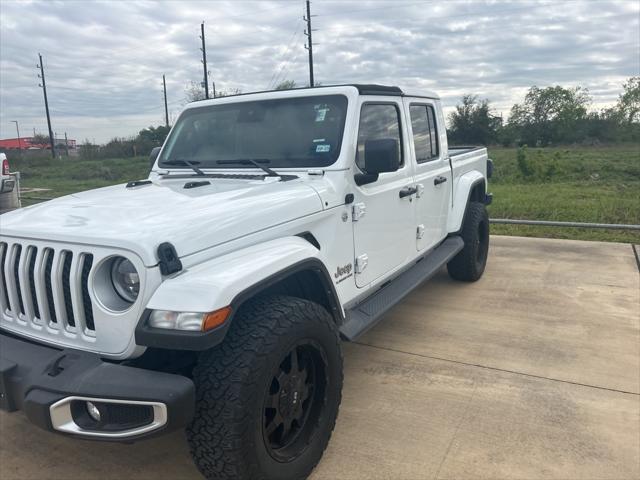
289 46
286 65
440 17
396 6
284 58
253 12
393 5
284 70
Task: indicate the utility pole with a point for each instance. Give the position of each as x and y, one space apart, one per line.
166 109
309 45
204 62
46 105
18 132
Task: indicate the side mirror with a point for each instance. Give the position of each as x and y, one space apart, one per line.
153 156
380 156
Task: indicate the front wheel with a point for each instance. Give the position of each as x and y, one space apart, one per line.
469 264
268 396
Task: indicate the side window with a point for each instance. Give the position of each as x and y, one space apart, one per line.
434 133
425 137
421 133
378 121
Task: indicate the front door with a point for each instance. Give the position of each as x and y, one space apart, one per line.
384 220
432 175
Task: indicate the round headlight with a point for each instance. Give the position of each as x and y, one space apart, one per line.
125 279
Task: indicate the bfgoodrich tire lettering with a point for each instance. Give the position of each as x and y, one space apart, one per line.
260 413
469 264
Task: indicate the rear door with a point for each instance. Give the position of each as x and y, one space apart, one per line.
432 173
384 222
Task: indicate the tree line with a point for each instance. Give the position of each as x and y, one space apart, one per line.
141 144
548 116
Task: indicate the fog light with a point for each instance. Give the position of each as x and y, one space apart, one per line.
93 411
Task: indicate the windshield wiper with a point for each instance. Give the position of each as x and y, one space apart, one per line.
251 161
187 163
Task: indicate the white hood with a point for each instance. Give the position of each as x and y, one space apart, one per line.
141 218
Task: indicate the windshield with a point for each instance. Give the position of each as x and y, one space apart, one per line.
290 132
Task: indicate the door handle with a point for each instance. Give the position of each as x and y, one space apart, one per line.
408 191
439 180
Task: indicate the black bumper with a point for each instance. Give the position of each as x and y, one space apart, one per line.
33 377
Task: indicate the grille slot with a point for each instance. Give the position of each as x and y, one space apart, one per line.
4 294
48 266
32 252
16 275
66 287
32 280
87 263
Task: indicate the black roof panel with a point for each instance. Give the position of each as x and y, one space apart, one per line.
363 89
373 89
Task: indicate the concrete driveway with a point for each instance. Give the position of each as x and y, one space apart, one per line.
532 372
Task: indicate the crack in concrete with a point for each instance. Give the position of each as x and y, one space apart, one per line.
531 375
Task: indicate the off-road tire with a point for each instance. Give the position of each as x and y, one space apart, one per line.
226 436
469 264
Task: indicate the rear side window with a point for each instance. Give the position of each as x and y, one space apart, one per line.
378 121
425 135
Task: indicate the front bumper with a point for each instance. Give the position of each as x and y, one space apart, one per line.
51 385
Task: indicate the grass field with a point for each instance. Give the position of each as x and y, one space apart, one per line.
580 184
583 184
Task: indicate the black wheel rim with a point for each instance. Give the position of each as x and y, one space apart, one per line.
482 243
294 401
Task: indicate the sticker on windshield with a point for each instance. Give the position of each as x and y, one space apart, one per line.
320 114
324 148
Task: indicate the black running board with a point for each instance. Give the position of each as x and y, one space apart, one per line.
366 314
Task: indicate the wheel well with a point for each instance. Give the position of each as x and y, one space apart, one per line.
310 284
477 192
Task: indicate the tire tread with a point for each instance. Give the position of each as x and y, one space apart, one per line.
464 266
227 373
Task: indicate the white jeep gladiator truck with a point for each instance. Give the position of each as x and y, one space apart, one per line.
214 294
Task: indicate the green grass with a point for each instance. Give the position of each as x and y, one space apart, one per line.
586 184
67 176
583 184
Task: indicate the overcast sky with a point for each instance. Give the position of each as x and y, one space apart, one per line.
104 60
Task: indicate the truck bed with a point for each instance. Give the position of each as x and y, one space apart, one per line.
460 150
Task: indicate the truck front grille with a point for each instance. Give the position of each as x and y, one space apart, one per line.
46 287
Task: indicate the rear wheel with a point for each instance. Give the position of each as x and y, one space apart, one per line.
268 397
469 264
